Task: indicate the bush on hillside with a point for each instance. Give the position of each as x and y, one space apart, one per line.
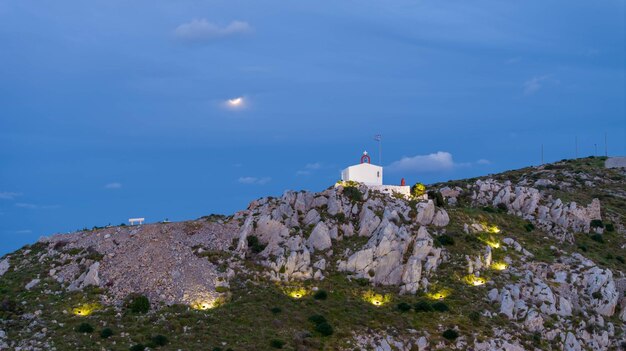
139 304
159 340
444 240
404 307
440 306
138 347
418 189
84 328
106 333
423 306
254 244
317 319
529 227
450 334
596 223
324 328
353 193
609 227
320 295
277 343
597 238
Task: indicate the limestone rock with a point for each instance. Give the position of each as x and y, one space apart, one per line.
4 266
320 237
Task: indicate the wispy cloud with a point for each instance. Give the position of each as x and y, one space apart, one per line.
483 161
254 180
34 206
309 168
23 231
113 185
7 195
201 30
439 161
533 85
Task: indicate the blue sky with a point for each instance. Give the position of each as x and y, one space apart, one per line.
117 109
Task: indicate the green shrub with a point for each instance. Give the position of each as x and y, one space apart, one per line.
596 295
474 316
140 304
450 334
582 248
362 281
254 244
138 347
276 310
423 306
159 340
598 238
440 306
324 328
529 227
502 208
489 209
317 319
596 223
277 343
444 240
620 259
106 333
418 189
353 194
84 328
404 307
437 198
609 227
320 295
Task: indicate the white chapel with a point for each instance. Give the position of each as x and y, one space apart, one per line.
372 176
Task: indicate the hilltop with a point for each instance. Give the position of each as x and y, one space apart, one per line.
529 259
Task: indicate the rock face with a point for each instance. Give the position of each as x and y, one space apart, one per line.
549 214
4 266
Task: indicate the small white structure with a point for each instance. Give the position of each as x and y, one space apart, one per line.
365 172
372 176
134 221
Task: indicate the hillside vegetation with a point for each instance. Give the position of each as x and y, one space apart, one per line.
530 259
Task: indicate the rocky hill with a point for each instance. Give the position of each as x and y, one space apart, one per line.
532 259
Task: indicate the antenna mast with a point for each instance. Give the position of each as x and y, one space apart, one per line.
379 139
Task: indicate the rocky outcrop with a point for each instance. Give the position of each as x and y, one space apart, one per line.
550 215
4 266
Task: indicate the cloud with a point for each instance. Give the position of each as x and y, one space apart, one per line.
7 195
113 185
439 161
201 30
26 205
308 168
34 207
254 180
482 161
532 85
23 231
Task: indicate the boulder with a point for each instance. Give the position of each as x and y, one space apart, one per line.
320 237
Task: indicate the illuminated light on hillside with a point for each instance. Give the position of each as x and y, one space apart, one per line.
474 280
438 295
376 299
494 244
296 292
493 229
204 305
85 309
499 266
